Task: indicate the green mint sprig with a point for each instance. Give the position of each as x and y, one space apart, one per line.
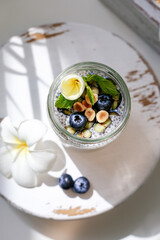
106 85
62 102
89 91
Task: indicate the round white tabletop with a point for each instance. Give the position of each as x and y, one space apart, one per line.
135 218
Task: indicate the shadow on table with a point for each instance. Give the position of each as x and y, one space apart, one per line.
139 215
118 169
11 224
140 211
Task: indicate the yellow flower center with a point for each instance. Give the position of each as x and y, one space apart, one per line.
21 145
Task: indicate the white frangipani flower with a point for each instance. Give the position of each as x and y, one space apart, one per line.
20 156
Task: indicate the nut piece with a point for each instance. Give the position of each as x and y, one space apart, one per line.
94 84
102 116
95 95
85 134
90 114
70 130
89 124
79 107
95 90
86 105
107 122
87 99
99 128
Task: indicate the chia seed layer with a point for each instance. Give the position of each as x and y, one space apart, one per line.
116 120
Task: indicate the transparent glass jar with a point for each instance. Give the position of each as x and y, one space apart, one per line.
83 143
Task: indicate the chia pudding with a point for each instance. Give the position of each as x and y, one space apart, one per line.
88 105
93 129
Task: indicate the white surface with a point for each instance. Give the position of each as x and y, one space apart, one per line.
136 218
115 171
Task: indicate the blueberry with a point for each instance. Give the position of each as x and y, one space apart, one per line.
77 120
66 181
104 102
81 185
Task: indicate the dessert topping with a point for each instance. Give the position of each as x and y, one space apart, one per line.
72 86
90 114
102 116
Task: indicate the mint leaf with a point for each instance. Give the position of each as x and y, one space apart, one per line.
62 102
84 78
90 94
89 91
106 85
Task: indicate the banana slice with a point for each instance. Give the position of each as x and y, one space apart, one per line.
72 86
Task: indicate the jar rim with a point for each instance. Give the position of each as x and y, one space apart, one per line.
118 80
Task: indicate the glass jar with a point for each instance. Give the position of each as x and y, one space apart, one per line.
69 139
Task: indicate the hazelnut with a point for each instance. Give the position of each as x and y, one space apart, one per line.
87 99
95 95
102 116
90 114
95 90
86 105
79 107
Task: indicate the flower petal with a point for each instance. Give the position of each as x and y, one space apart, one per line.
5 161
22 173
31 131
41 161
60 164
8 131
